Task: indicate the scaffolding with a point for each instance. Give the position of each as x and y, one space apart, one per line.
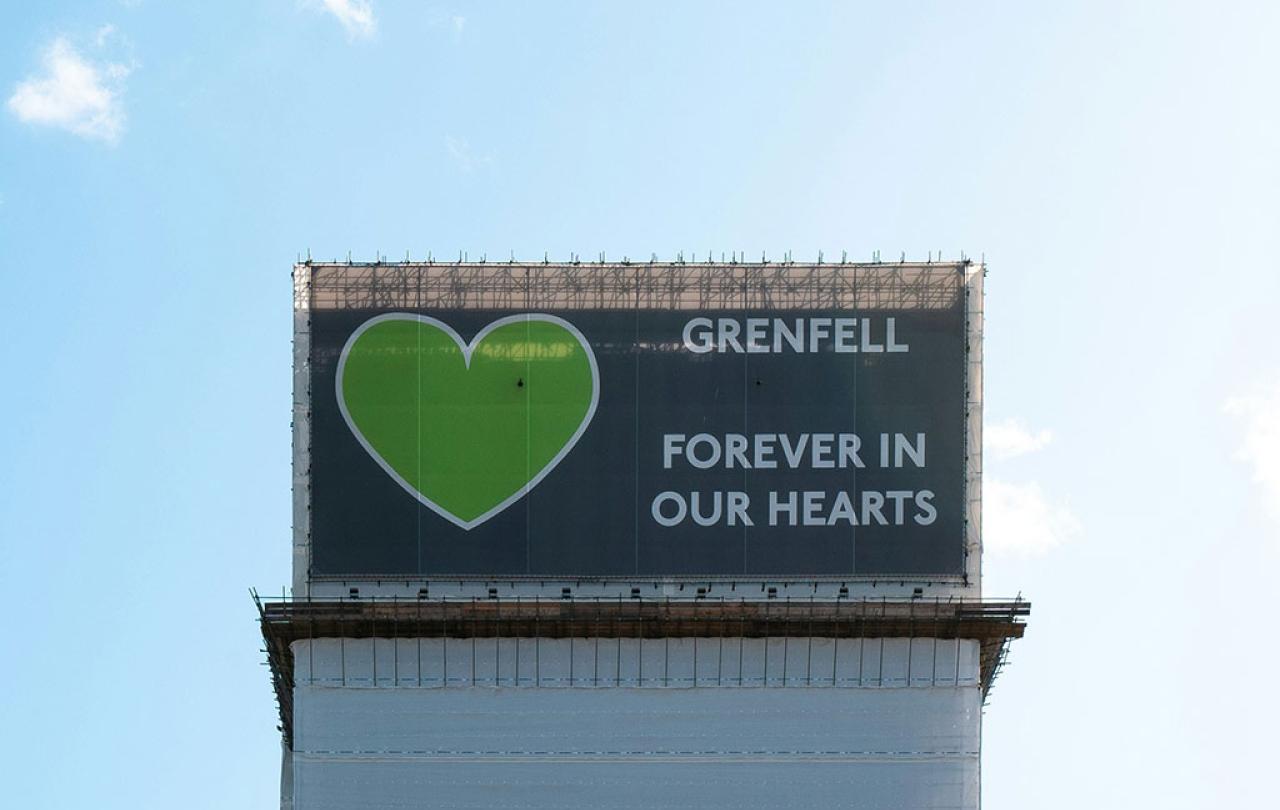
735 286
992 624
627 286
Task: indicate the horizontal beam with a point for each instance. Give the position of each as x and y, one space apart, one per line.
991 623
642 619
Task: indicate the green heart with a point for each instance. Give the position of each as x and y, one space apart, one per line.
467 429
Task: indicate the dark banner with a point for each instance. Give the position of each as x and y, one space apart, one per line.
638 443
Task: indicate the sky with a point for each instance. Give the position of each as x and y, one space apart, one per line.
162 165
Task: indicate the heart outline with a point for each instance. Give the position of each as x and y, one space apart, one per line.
467 349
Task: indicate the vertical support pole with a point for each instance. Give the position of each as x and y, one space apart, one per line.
835 647
767 616
933 666
786 638
742 639
696 630
911 638
808 669
880 675
862 637
639 643
301 467
311 644
617 636
720 648
956 682
666 659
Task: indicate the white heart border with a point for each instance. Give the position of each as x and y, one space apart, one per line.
467 349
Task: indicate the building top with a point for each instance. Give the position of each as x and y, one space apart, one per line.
631 285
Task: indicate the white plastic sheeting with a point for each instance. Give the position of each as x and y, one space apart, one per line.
907 737
658 662
636 785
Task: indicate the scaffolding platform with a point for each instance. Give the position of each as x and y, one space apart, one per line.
990 623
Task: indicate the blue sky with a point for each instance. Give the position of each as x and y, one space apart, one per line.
162 165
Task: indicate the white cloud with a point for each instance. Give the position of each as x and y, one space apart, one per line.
450 20
1019 520
355 15
463 157
74 93
1259 414
1011 438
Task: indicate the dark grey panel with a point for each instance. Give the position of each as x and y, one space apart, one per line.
591 515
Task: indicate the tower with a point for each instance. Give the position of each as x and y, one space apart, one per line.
636 535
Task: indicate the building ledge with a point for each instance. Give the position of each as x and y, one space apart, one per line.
992 623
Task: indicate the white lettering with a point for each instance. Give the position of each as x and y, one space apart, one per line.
691 453
793 453
670 449
818 329
813 507
821 446
729 330
849 446
924 502
668 497
763 450
794 339
846 343
776 507
757 333
738 503
695 500
891 338
898 496
867 345
702 343
901 447
842 509
736 450
872 503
